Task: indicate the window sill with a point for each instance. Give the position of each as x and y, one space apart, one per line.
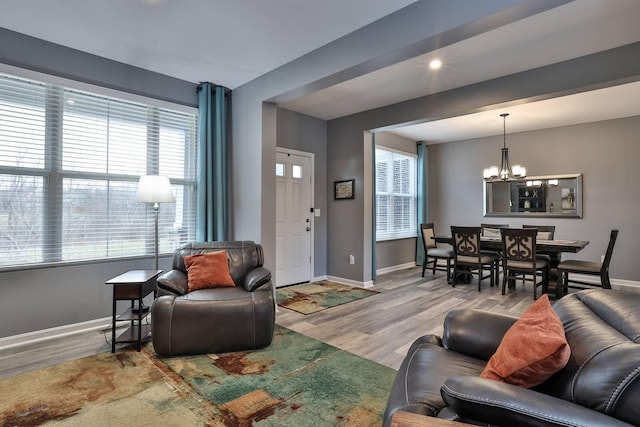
386 239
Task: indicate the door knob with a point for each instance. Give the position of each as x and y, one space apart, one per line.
308 228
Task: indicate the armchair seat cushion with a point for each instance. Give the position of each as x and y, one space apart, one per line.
216 294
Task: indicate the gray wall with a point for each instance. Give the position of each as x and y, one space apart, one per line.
305 133
44 298
606 153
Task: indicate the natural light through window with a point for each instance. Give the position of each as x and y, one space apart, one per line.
70 162
395 194
296 171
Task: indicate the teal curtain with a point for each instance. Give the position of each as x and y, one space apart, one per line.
374 258
421 198
212 195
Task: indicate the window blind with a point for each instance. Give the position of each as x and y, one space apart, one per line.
70 162
395 195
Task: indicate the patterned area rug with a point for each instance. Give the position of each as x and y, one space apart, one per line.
312 297
297 381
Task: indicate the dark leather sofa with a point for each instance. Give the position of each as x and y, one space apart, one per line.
215 320
599 386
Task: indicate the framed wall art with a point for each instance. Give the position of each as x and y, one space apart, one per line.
343 189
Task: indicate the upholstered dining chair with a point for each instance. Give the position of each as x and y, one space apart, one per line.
521 261
468 256
432 253
545 232
492 230
586 267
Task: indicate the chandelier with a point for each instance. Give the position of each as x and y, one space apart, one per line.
506 172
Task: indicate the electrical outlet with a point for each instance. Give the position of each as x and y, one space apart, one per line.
352 259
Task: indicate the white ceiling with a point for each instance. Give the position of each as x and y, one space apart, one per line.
228 42
576 29
233 42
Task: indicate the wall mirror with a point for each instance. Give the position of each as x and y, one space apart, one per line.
535 196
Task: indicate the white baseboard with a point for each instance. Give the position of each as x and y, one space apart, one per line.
349 282
396 268
319 278
631 285
51 333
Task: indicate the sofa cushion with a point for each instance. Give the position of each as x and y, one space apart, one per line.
210 270
532 350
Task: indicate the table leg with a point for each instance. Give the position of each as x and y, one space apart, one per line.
140 319
553 273
113 323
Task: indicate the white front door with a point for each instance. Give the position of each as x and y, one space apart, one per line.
294 219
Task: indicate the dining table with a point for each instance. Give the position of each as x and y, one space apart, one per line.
552 248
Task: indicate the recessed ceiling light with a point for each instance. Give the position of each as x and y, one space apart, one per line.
435 64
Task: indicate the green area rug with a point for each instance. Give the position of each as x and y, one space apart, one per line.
297 381
312 297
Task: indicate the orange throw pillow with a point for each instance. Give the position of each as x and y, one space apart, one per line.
210 270
532 350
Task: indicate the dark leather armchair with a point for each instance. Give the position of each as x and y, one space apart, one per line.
215 320
599 386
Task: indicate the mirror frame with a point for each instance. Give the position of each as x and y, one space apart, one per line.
578 195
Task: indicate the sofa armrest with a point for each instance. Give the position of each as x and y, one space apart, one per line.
475 333
256 278
497 403
173 282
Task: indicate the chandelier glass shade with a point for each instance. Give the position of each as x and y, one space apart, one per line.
506 172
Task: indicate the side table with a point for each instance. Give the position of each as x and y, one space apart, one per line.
133 285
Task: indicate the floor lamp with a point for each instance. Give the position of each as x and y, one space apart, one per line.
155 189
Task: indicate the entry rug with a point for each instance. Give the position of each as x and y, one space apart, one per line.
312 297
297 381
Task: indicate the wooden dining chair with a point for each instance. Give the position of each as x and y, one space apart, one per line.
587 267
432 253
520 261
545 232
468 256
493 231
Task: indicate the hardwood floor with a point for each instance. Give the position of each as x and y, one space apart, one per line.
380 327
383 326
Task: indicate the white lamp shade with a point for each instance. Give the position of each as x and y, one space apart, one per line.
490 172
154 189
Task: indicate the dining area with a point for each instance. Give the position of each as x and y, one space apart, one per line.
498 254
